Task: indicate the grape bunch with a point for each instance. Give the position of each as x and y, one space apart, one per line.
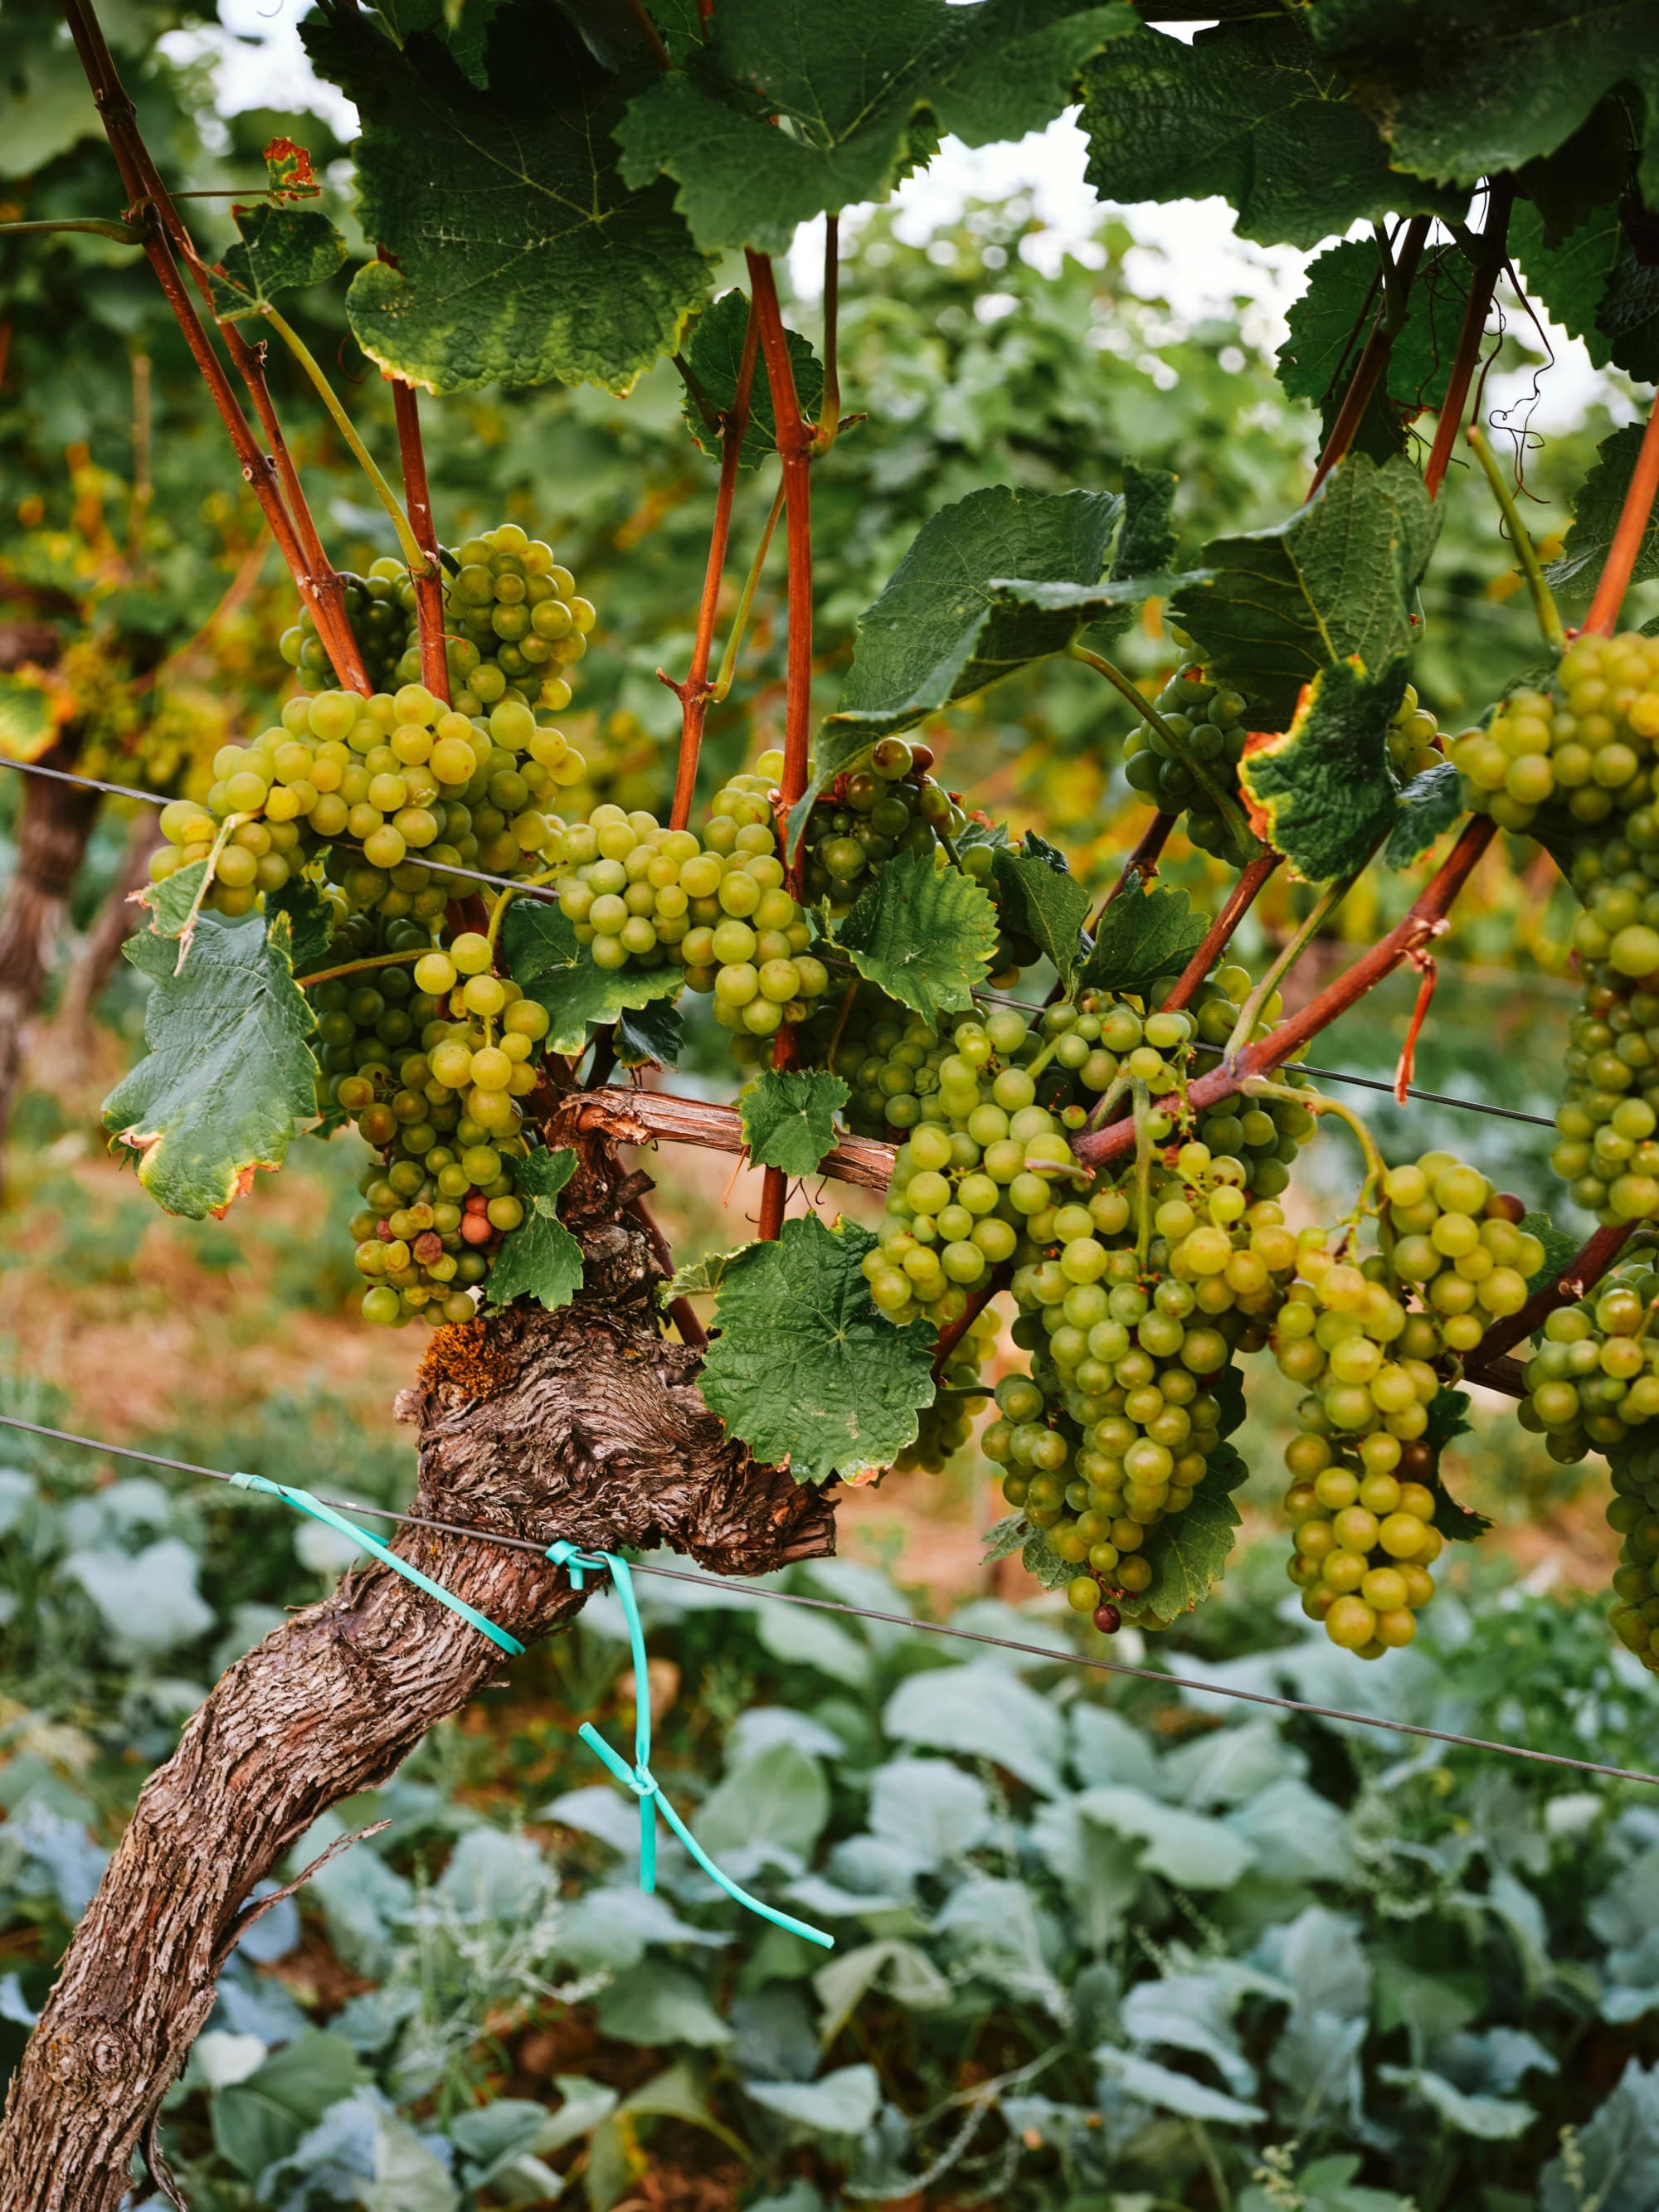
1208 719
640 895
385 790
944 1426
1363 1340
1413 738
1575 756
431 1062
513 624
1609 1114
1593 1378
1633 1514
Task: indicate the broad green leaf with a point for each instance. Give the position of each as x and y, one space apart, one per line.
983 1711
521 257
649 1036
1330 324
806 1368
544 958
789 1117
1324 793
1429 805
1248 109
1612 2160
1596 517
656 2004
703 1275
1144 551
169 903
311 922
714 357
1628 317
779 1796
1004 1538
1274 608
1486 91
30 714
842 2103
260 2119
1448 1418
1162 2087
1488 2119
229 1073
1043 1562
1043 900
1568 279
463 26
863 92
923 932
540 1259
1144 935
278 250
1188 1551
1559 1248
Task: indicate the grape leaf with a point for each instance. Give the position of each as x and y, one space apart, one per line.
1559 1248
714 357
1188 1551
1490 89
789 1117
1449 1417
1042 900
1004 1538
1568 279
1247 110
229 1072
310 921
540 1259
1628 317
1429 805
806 1368
1324 793
1275 607
289 171
1330 324
1144 936
649 1036
544 960
1040 1561
942 629
923 932
278 250
1595 511
170 902
520 256
1146 540
863 91
698 1276
463 26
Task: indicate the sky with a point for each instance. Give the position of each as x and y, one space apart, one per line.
1192 255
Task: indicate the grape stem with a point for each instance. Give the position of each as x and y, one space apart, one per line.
953 1333
1489 249
1543 601
1219 935
1398 272
356 966
1627 538
187 933
1423 922
1250 1012
1585 1269
124 233
728 668
794 437
1142 1098
410 545
508 893
1313 1102
1225 804
694 693
428 582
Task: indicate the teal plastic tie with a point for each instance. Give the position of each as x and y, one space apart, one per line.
303 1502
639 1778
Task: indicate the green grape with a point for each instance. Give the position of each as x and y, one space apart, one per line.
1593 1379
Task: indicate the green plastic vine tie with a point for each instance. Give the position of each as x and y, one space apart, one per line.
303 1502
639 1778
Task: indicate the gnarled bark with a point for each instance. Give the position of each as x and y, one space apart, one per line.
585 1424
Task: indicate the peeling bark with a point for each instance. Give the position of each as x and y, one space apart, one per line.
585 1424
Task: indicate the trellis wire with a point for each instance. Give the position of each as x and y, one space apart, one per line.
1043 1652
545 892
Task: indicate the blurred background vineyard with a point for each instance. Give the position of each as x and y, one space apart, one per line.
1399 1985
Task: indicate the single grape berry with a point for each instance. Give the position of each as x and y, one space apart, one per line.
1108 1619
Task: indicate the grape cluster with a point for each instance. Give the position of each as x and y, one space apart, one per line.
1413 738
1579 754
431 1062
1609 1114
1208 719
1594 1376
1633 1514
640 895
1362 1340
513 624
945 1426
892 806
388 790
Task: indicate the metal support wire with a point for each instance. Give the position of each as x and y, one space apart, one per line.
546 892
1043 1652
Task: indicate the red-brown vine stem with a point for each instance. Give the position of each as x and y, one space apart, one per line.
953 1333
1424 922
417 503
144 188
1373 360
1471 336
1633 518
1219 935
1587 1266
694 694
794 442
830 409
